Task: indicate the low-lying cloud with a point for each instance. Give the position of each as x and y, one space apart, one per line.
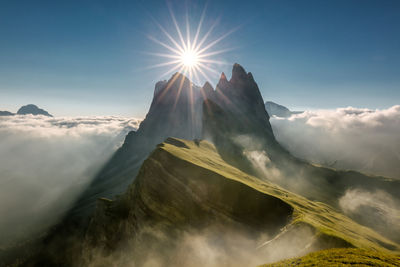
376 209
345 138
45 164
213 247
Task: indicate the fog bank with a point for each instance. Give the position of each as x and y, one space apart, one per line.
346 138
46 162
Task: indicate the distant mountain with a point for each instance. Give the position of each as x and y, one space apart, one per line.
32 109
6 113
277 110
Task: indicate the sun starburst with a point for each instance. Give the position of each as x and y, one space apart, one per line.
192 54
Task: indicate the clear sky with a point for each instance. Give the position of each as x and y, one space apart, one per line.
90 57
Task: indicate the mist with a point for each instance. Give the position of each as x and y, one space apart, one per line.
213 246
346 138
45 164
376 209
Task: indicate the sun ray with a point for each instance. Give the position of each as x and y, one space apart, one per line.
177 27
179 66
164 92
214 53
205 60
216 41
199 26
164 64
203 73
170 38
163 44
208 68
196 75
179 91
162 55
188 33
206 36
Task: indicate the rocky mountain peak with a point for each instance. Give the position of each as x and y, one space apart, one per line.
238 73
222 83
207 90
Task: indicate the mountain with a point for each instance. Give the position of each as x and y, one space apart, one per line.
185 190
32 109
277 110
6 113
164 200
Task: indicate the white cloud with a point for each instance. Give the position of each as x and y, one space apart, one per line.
46 162
376 209
345 138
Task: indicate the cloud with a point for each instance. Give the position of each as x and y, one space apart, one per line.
345 138
376 209
214 246
45 164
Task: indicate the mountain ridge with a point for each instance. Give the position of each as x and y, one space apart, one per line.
214 196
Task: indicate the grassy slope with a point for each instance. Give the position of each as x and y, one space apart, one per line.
340 257
324 219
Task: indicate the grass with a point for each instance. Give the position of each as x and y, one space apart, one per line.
341 257
325 220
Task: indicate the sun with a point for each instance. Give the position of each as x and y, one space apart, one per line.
190 52
189 58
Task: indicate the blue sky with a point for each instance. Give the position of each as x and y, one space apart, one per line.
89 57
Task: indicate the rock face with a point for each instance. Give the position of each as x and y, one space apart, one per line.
32 109
175 111
235 113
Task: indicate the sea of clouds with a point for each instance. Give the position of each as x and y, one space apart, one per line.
46 162
346 138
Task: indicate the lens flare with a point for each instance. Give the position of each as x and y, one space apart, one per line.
190 54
